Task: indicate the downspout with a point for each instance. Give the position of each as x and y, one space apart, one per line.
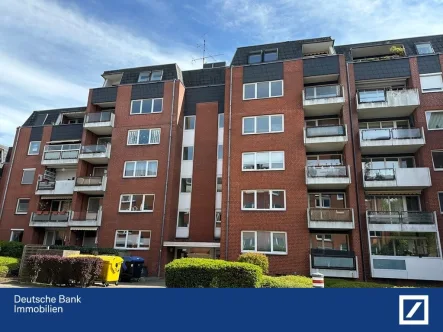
355 175
167 180
229 167
14 148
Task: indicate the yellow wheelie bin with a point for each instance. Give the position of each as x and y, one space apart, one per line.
111 269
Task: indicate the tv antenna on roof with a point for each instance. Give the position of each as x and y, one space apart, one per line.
205 56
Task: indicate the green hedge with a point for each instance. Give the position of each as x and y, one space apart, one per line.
341 283
256 259
8 265
286 282
211 273
88 250
11 249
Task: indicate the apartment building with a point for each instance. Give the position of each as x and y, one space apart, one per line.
325 158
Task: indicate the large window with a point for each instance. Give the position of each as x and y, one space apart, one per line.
34 148
434 119
264 200
327 200
396 203
262 161
140 240
22 206
424 48
324 160
28 175
404 244
389 162
146 76
329 241
264 242
144 136
263 124
147 106
437 160
141 168
261 90
260 56
136 203
431 82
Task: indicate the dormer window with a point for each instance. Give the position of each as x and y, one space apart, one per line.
146 76
424 48
270 55
254 57
263 56
157 75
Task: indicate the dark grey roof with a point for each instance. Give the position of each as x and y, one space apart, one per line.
130 75
8 155
286 50
408 43
52 115
204 77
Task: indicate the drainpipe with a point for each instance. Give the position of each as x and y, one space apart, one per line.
355 175
167 180
14 148
229 166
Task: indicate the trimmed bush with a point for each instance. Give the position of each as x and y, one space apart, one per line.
4 271
256 259
211 273
8 265
88 250
286 282
11 249
359 284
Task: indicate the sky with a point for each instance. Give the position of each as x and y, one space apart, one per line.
52 52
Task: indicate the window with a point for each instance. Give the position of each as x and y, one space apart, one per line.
183 219
260 161
16 235
141 168
329 241
147 106
22 206
136 203
440 200
264 200
404 244
140 240
395 203
424 48
144 136
221 121
190 122
34 148
218 216
431 82
270 55
144 76
437 160
40 119
157 75
263 124
186 185
434 119
254 57
220 151
28 176
188 153
263 90
219 184
264 242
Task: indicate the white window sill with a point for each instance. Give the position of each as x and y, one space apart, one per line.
143 144
262 98
146 113
432 91
138 177
266 253
120 248
22 213
265 210
144 211
263 170
269 132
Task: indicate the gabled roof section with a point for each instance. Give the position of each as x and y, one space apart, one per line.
52 115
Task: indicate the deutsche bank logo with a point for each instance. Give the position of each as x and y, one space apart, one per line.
414 310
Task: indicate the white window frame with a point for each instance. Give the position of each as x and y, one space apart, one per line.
156 71
181 182
29 148
432 157
394 122
255 124
23 175
221 122
178 218
135 167
184 122
131 200
141 106
138 136
255 162
18 201
421 43
272 252
16 230
144 73
270 200
269 88
426 117
440 202
435 89
138 240
217 222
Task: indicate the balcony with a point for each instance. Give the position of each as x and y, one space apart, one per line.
325 138
403 221
49 219
327 177
85 219
334 263
96 154
59 187
323 100
92 185
325 218
59 156
397 178
100 123
407 267
391 140
382 103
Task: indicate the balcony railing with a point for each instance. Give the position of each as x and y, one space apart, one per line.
327 171
391 133
371 96
46 216
333 215
325 131
65 151
333 259
98 117
89 181
45 185
94 148
383 174
402 217
323 91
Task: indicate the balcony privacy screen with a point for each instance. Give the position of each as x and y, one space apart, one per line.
327 171
324 131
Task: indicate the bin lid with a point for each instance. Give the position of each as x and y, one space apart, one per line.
133 259
113 259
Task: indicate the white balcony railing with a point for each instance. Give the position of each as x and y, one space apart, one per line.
323 99
62 154
328 177
329 218
58 187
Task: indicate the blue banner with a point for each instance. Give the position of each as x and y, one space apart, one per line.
144 309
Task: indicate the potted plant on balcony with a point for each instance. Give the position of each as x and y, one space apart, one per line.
397 50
